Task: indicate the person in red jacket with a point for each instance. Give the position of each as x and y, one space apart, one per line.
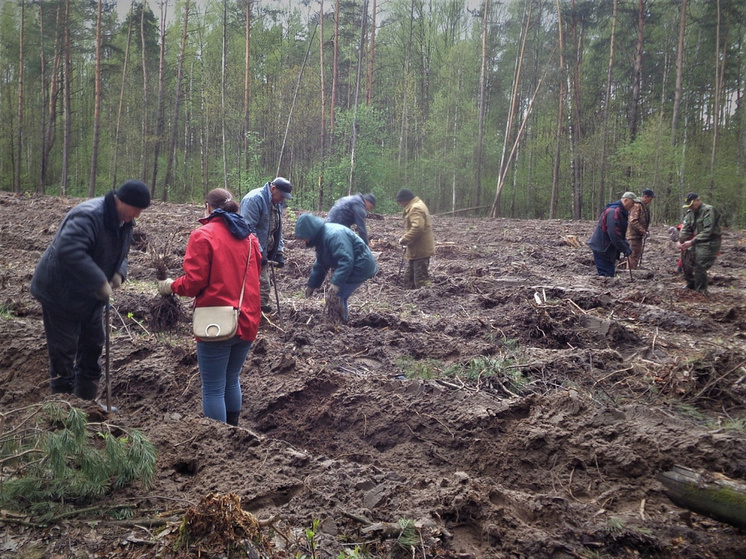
214 263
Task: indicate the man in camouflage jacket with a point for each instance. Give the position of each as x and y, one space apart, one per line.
639 225
700 251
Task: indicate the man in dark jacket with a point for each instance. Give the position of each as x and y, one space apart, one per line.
338 248
262 209
608 240
351 212
74 279
702 230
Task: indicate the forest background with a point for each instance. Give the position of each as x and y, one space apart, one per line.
518 108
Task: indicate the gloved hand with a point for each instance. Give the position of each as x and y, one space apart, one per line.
333 289
116 281
673 234
401 242
647 233
164 286
309 291
279 260
104 292
264 261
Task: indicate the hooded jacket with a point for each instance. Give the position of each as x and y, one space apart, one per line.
336 247
609 236
215 266
87 250
349 211
256 208
418 230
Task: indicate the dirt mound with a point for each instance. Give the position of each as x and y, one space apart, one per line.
519 407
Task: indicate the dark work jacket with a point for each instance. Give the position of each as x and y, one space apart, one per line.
349 211
87 250
609 237
337 247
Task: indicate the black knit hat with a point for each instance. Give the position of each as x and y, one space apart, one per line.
404 195
370 198
134 193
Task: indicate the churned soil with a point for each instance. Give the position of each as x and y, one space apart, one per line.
521 406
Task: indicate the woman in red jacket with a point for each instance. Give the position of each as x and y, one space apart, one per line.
214 264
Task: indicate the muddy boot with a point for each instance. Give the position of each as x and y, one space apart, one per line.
231 418
86 389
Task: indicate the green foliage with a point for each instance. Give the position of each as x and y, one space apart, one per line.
408 537
54 459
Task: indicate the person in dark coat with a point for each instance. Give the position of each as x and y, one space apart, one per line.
84 263
351 212
338 248
262 209
608 240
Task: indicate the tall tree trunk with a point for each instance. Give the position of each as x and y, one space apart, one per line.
719 70
482 106
121 103
372 55
96 105
575 128
19 135
679 75
145 125
358 77
637 78
560 117
159 118
223 53
54 86
320 185
177 106
335 70
246 87
607 104
66 82
42 63
505 163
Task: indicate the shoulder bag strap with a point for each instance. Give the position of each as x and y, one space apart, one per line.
245 275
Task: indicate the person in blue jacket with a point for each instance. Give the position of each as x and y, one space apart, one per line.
351 212
338 248
262 210
74 279
609 239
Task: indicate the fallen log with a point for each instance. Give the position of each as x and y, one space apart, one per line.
707 493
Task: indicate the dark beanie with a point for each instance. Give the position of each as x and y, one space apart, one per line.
134 193
370 198
404 195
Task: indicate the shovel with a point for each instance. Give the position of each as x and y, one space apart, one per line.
107 329
401 264
274 282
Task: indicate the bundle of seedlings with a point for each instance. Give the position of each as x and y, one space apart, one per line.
165 310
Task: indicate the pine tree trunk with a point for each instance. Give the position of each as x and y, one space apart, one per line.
159 119
482 107
145 126
66 81
121 103
560 118
607 103
42 63
679 74
222 92
320 185
246 88
19 135
358 77
96 105
177 107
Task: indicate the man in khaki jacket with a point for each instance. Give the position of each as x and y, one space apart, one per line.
417 238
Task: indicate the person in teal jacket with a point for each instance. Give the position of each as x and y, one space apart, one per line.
338 248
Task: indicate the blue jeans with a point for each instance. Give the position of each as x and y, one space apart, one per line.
605 267
220 365
344 293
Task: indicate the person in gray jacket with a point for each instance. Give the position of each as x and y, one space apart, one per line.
351 212
262 210
339 249
74 279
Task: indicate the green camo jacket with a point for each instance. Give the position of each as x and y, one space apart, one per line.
705 224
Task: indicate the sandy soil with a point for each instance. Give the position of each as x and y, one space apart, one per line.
520 407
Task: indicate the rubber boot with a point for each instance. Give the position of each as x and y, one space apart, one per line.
231 418
86 389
